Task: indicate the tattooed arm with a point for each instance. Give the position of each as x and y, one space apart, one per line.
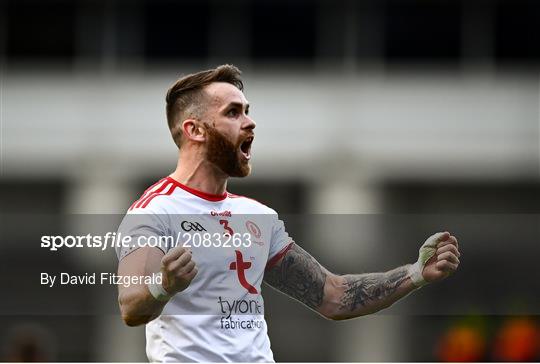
363 294
300 276
336 297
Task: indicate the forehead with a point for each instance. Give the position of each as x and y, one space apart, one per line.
223 93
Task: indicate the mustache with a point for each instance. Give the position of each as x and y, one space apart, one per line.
241 138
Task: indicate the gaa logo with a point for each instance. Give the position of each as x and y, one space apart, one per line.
192 226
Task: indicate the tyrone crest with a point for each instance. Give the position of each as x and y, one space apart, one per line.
255 231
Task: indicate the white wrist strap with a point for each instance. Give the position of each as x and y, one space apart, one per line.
158 292
427 250
415 273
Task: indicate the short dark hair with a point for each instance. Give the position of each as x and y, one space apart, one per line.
185 98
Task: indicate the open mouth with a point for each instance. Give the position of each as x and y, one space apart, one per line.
245 148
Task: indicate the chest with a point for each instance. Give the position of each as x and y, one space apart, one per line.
236 245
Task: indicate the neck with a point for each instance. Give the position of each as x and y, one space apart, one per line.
195 172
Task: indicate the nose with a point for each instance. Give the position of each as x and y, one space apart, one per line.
250 124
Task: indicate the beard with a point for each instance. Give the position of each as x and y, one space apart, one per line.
224 154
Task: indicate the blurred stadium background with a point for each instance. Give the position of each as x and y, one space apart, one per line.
395 109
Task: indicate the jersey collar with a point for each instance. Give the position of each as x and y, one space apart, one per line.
201 194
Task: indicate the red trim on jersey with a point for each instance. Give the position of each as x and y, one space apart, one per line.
152 194
276 258
171 188
201 194
145 193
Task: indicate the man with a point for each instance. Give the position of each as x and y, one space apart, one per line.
208 305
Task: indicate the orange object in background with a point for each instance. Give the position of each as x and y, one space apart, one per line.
517 340
461 344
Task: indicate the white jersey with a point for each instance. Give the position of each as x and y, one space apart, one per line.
220 316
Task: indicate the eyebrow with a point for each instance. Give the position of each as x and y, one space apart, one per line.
236 104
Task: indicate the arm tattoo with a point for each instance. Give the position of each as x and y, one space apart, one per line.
364 288
300 276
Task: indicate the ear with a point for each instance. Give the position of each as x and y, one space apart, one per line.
192 130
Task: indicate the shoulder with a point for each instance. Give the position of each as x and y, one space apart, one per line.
154 199
252 204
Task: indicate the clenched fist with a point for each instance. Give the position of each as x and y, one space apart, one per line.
178 270
438 258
